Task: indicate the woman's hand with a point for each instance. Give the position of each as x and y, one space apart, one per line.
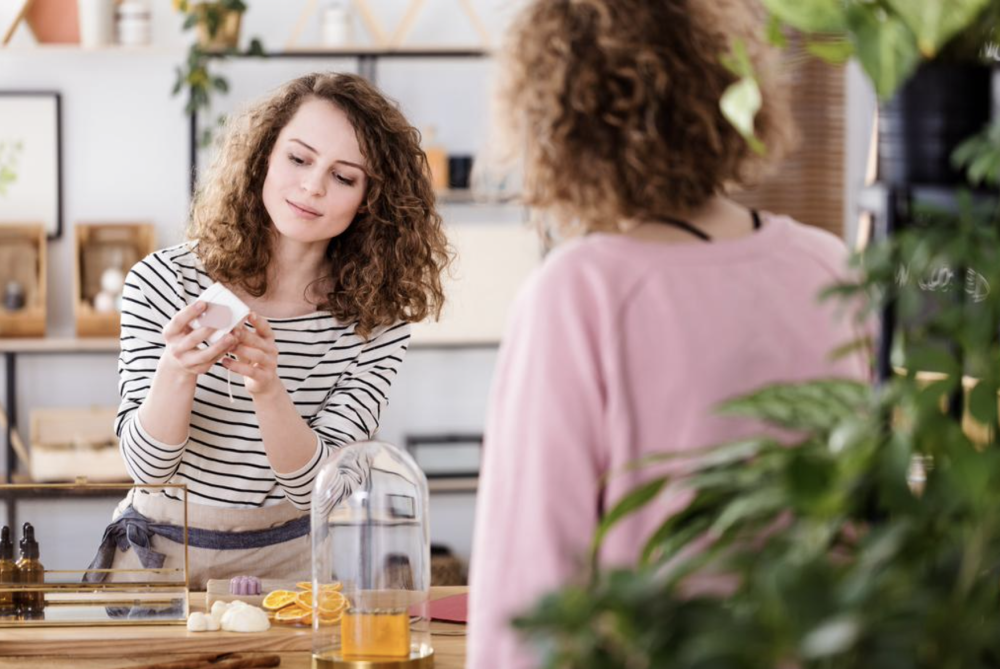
257 358
182 354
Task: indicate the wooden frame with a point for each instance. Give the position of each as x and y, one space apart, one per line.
23 258
31 159
100 246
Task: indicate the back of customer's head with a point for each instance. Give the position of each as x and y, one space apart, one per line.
616 106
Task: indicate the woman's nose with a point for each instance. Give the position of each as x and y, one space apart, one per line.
313 182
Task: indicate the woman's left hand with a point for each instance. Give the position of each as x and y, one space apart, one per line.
257 357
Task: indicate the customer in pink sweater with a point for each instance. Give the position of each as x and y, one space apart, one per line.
674 299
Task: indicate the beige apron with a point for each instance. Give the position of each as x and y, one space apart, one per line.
289 559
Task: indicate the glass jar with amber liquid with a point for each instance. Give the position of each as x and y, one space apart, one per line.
370 534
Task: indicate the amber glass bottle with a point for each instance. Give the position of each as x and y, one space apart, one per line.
30 572
8 574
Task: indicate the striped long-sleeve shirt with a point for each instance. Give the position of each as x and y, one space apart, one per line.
338 381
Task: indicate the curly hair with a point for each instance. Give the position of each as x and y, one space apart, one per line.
613 106
387 265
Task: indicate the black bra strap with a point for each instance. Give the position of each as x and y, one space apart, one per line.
686 227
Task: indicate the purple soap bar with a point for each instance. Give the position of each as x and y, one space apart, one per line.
244 585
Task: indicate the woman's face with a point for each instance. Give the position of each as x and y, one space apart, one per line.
316 175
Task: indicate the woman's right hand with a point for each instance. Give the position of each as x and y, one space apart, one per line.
182 354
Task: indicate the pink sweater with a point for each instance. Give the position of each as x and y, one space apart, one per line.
619 348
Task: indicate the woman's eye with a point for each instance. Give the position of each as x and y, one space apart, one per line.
295 159
344 180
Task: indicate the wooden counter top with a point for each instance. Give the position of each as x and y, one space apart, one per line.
122 647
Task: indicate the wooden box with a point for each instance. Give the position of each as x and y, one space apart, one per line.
23 261
100 247
70 443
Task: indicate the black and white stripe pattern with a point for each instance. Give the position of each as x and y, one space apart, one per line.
339 383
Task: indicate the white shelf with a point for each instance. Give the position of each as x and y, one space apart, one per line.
76 49
59 345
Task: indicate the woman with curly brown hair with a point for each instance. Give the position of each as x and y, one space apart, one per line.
667 298
318 214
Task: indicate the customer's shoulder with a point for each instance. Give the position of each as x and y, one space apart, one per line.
812 239
583 273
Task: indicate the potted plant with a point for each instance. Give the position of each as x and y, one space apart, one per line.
927 60
217 26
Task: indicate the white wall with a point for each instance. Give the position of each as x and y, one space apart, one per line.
125 152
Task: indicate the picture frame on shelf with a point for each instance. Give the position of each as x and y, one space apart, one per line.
31 159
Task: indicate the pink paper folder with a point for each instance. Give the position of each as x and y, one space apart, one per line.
453 609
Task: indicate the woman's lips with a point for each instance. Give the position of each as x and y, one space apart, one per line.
302 211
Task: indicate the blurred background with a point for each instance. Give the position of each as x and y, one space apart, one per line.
122 185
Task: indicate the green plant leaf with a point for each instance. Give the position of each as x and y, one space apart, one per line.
766 503
932 359
627 505
832 637
834 52
983 403
810 16
668 540
775 34
884 46
935 22
740 104
815 405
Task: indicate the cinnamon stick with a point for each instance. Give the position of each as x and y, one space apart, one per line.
218 661
246 662
193 662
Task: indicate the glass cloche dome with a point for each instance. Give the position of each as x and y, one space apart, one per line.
371 561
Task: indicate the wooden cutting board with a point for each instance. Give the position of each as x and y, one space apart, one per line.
120 641
152 640
217 590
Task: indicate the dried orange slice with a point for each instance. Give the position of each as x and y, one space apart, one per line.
332 603
326 619
278 599
326 587
304 599
292 614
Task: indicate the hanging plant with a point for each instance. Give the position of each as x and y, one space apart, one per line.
217 26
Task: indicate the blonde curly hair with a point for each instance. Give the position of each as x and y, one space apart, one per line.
387 265
613 106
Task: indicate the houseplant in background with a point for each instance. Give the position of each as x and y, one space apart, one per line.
928 61
217 28
875 540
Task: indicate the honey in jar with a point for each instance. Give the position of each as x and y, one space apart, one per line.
375 634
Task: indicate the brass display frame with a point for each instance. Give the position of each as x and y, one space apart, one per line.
425 662
176 588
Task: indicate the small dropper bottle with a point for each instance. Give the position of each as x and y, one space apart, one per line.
30 572
8 574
